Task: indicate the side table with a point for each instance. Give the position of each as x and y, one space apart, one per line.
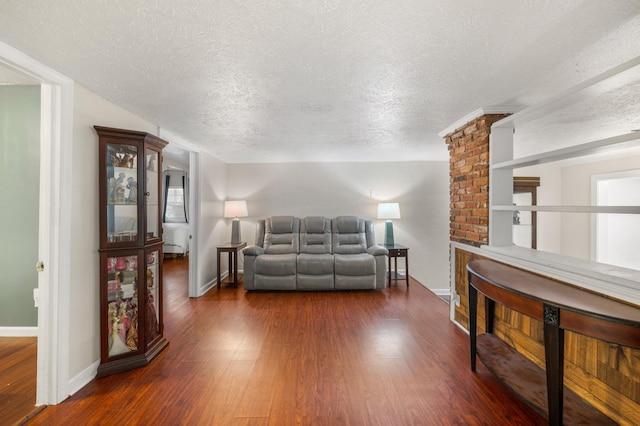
232 250
396 251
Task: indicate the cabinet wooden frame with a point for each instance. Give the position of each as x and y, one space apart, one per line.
131 285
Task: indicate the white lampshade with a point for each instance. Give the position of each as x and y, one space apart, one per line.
235 209
388 211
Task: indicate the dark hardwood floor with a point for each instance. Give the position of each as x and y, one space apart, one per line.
389 357
17 379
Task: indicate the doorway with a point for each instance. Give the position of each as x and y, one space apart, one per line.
19 222
176 217
617 234
54 222
20 177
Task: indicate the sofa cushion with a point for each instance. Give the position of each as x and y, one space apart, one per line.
282 224
315 264
282 235
276 264
268 282
348 224
354 264
315 235
315 282
348 235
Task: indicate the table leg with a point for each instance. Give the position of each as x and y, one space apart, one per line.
554 359
235 268
406 262
219 282
230 259
473 321
395 269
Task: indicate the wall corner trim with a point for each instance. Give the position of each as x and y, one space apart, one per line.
477 113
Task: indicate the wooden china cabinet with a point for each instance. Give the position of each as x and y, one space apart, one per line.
131 327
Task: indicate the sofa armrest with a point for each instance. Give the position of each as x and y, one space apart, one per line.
377 250
253 250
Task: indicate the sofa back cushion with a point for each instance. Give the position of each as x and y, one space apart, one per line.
348 235
281 235
260 233
315 235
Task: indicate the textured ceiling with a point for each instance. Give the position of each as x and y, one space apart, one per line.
322 80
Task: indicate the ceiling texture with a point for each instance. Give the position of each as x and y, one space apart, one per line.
322 80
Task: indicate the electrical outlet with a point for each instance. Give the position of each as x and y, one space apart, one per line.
456 299
372 193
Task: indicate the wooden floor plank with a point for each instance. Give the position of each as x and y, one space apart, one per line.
17 379
388 357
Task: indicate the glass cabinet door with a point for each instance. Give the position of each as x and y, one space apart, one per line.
122 304
122 193
153 294
152 194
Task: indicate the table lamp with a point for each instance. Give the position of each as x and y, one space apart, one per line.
235 209
388 211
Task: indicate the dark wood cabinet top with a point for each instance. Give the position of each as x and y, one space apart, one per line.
548 291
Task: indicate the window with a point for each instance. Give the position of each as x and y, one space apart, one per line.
176 197
175 208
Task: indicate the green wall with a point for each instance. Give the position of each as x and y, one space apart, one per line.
19 192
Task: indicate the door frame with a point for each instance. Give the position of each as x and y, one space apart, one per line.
194 206
54 240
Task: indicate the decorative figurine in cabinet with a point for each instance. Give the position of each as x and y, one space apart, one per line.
131 327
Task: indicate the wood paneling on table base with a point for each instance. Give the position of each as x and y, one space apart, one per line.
528 381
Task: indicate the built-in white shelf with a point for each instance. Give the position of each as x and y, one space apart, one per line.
620 283
628 140
572 209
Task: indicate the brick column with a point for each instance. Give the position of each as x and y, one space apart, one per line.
469 180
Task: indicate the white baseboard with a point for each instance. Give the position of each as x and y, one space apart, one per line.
207 286
18 331
84 377
441 291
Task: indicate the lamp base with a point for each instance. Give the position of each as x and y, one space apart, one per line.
235 231
388 234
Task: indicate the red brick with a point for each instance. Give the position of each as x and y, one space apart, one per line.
470 129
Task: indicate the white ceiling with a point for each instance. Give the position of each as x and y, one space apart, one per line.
322 80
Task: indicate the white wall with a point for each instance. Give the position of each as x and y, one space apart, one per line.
213 228
333 189
169 162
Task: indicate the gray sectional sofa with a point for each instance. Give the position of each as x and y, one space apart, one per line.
314 253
